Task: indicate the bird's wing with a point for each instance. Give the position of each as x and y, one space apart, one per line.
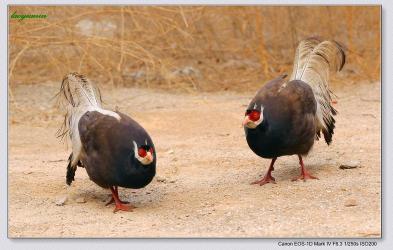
268 90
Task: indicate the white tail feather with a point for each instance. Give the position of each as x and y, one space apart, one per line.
313 61
77 96
302 52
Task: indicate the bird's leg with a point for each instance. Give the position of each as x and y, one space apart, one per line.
113 200
304 174
268 176
119 205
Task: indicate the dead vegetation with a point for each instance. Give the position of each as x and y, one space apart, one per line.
184 48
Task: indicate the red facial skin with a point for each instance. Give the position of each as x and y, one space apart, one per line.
254 115
142 152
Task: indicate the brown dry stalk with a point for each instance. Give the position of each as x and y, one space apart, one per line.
263 55
183 16
349 22
121 40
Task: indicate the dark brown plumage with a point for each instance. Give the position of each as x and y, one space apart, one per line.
108 151
113 148
285 117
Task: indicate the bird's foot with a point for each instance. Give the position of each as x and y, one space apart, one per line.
266 179
123 207
304 176
119 204
113 200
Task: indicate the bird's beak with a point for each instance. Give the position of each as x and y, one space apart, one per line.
246 120
149 157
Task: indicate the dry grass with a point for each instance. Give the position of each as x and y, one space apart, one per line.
184 48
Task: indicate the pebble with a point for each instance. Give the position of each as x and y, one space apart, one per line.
226 134
350 165
61 201
351 203
161 179
27 172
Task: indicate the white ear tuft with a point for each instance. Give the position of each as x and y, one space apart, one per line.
135 149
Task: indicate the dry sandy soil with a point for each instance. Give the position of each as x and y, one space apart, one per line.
204 169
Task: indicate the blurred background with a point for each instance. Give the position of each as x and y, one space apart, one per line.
182 48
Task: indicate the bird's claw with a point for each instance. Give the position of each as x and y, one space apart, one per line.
122 207
113 200
304 177
265 180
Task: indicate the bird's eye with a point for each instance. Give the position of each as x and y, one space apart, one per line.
254 115
142 152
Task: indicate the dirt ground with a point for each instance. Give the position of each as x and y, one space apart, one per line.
204 169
